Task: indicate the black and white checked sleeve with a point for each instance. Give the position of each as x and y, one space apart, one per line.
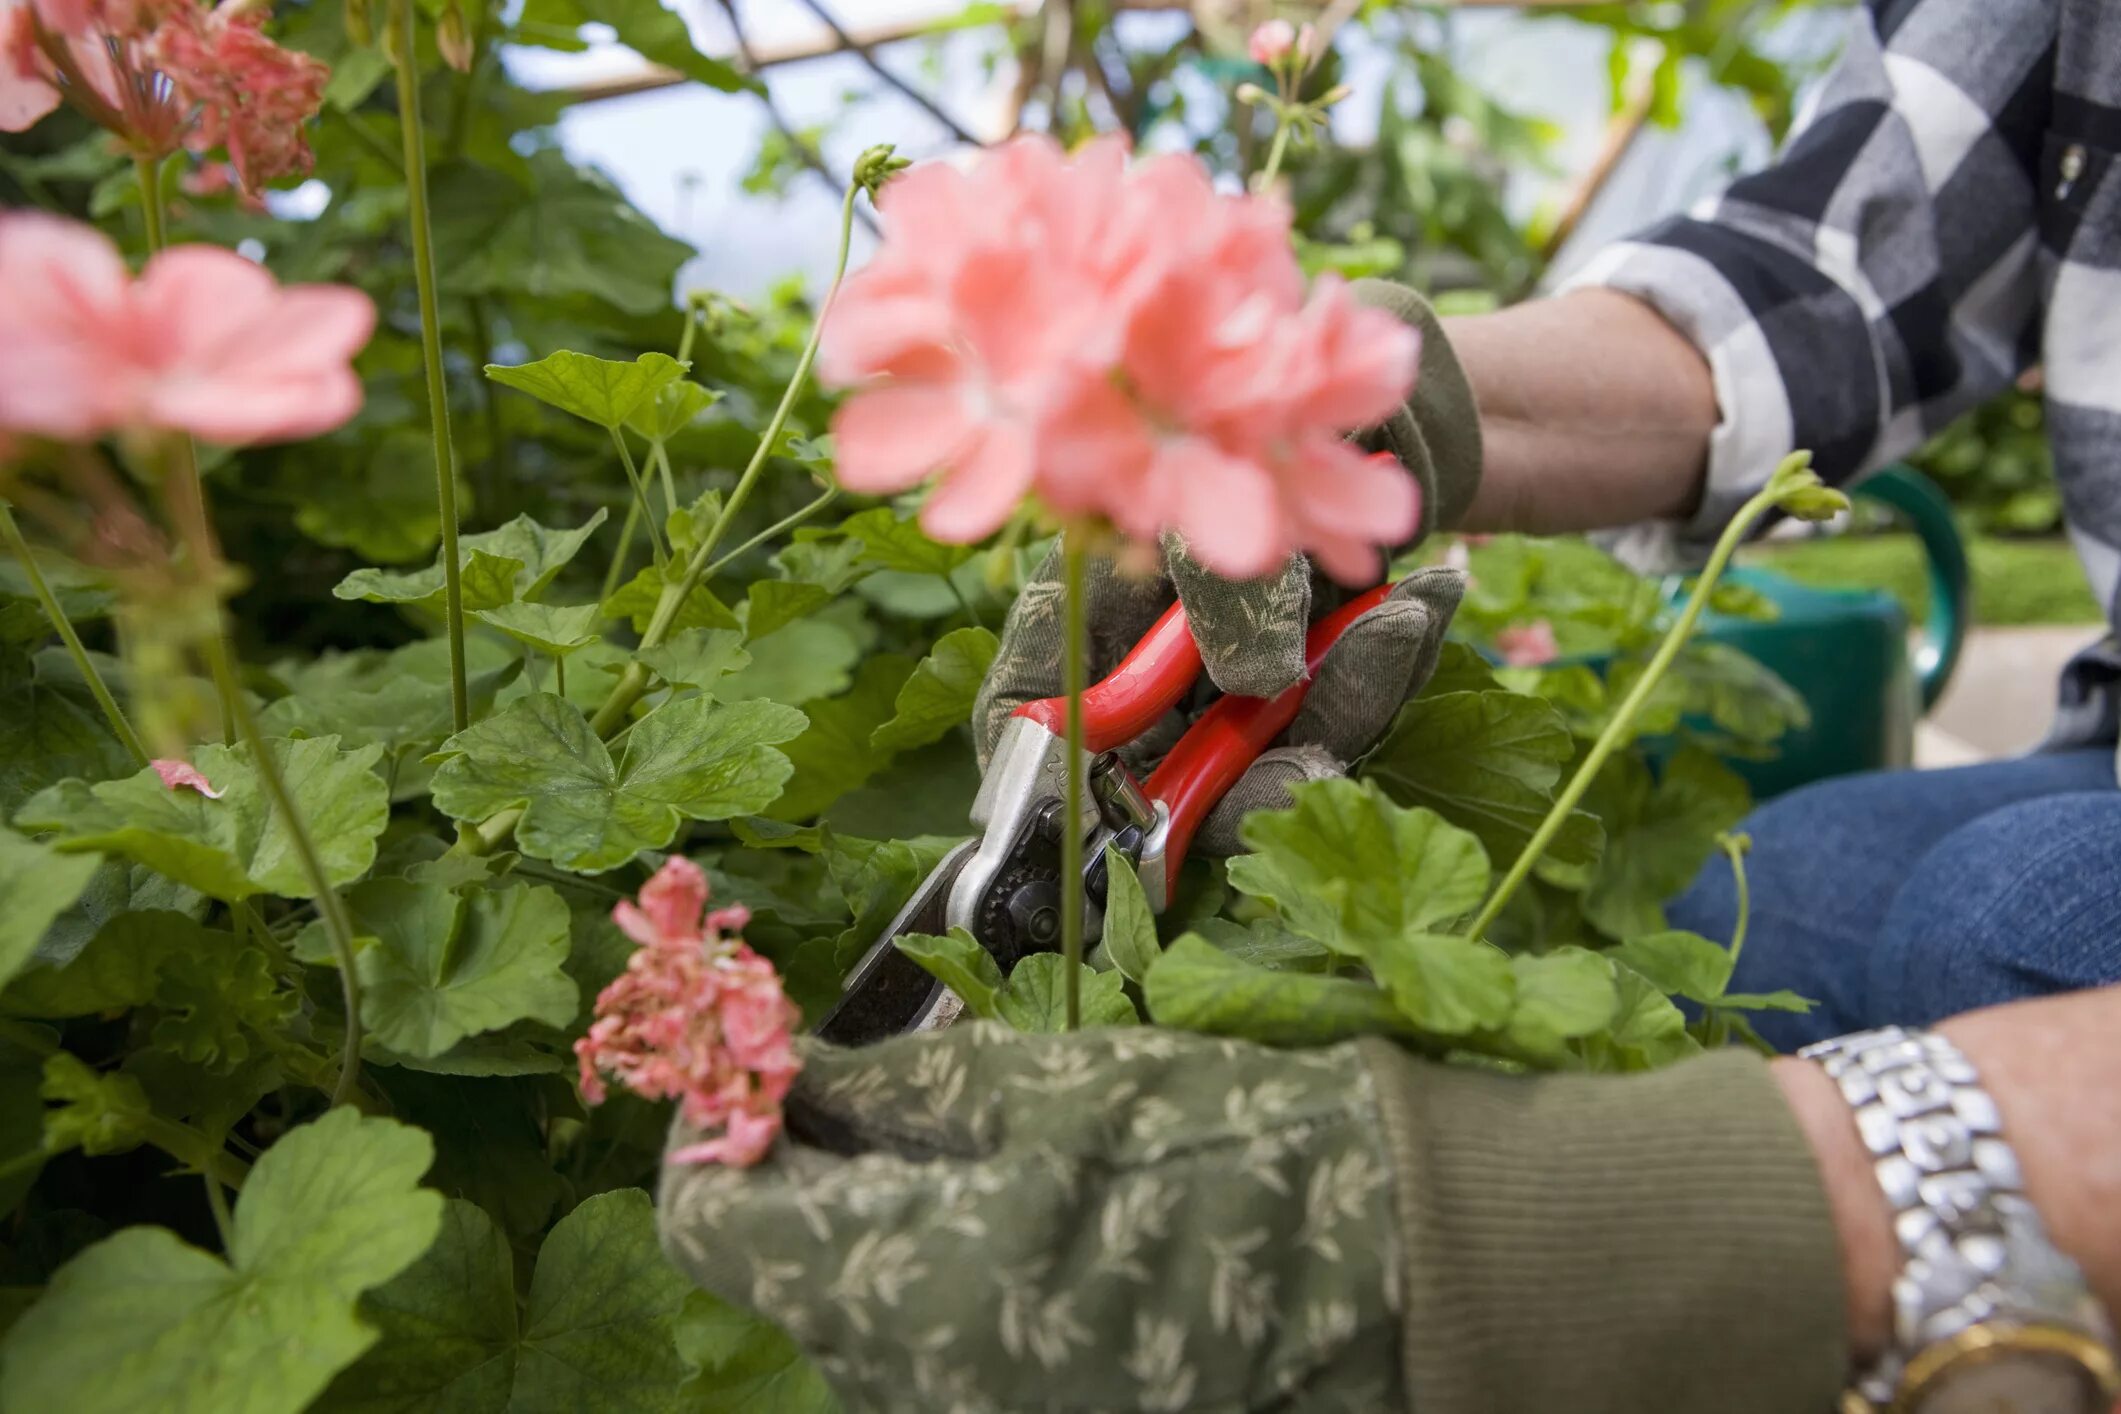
1880 278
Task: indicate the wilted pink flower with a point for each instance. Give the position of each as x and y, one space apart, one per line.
203 341
182 774
1121 343
697 1017
1527 645
252 96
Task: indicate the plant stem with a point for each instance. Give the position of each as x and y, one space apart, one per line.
1736 851
1616 730
19 548
1265 180
1071 866
217 1204
423 269
192 1146
338 925
616 575
149 172
559 673
640 496
660 456
971 614
783 525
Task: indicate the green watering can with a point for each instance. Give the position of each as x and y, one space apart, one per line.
1846 651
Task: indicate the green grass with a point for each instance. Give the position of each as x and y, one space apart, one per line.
2015 581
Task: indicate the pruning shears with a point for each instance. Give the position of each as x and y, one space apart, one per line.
1003 885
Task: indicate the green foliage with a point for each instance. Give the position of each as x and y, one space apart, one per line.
38 883
599 390
1033 998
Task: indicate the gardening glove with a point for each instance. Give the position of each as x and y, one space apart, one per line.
1137 1219
1251 633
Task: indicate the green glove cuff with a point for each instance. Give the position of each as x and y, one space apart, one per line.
1610 1244
1436 434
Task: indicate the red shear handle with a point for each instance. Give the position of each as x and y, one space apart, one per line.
1147 683
1229 736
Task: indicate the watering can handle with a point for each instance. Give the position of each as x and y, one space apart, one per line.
1919 501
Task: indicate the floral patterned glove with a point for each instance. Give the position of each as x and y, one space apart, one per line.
1121 1219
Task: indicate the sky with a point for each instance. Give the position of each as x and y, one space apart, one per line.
679 153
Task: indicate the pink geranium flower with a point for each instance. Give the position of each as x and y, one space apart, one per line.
1125 344
184 775
1527 645
1272 41
697 1017
203 341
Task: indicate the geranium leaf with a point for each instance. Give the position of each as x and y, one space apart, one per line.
443 967
1486 762
697 657
643 26
1446 986
940 693
1265 942
959 963
1561 995
516 561
50 731
636 600
38 883
549 628
1658 835
746 1365
1196 986
1648 1030
1783 1000
142 1320
219 1008
1036 997
94 1112
812 576
84 596
1681 963
1130 926
1348 867
118 969
834 755
1731 688
585 811
892 543
598 1330
809 659
599 390
671 410
238 845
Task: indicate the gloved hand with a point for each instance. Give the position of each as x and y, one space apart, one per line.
1122 1219
1251 634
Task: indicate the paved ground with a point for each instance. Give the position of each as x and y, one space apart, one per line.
2002 697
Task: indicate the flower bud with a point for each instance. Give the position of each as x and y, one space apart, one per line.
1815 502
1334 95
393 47
360 24
877 166
453 39
1251 93
1272 41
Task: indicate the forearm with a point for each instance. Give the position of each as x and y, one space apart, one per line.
1594 412
2049 1066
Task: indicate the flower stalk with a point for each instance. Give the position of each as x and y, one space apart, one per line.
148 170
49 602
1073 652
1794 488
423 266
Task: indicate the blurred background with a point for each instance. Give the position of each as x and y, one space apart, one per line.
601 160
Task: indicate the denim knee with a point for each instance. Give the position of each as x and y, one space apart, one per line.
2023 902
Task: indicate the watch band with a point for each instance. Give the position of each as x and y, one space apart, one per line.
1974 1249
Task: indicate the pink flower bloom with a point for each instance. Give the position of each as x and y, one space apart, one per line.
1272 41
182 774
1122 343
697 1017
203 341
252 96
1527 645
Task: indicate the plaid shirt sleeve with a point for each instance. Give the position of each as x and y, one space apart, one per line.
1881 277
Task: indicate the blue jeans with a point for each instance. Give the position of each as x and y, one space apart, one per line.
1909 896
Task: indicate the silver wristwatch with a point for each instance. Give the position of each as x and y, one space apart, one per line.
1987 1314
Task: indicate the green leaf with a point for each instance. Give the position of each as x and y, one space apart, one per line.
1130 926
236 846
220 1009
549 628
959 963
747 1366
698 657
1350 868
83 594
1648 1031
49 731
603 391
892 543
38 883
1658 835
514 562
1561 995
1487 762
690 759
142 1320
1459 669
1683 964
1196 986
1036 997
1266 943
643 26
443 967
940 693
119 968
95 1113
671 410
1731 688
1446 986
1782 1000
834 755
807 660
637 598
812 576
597 1331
